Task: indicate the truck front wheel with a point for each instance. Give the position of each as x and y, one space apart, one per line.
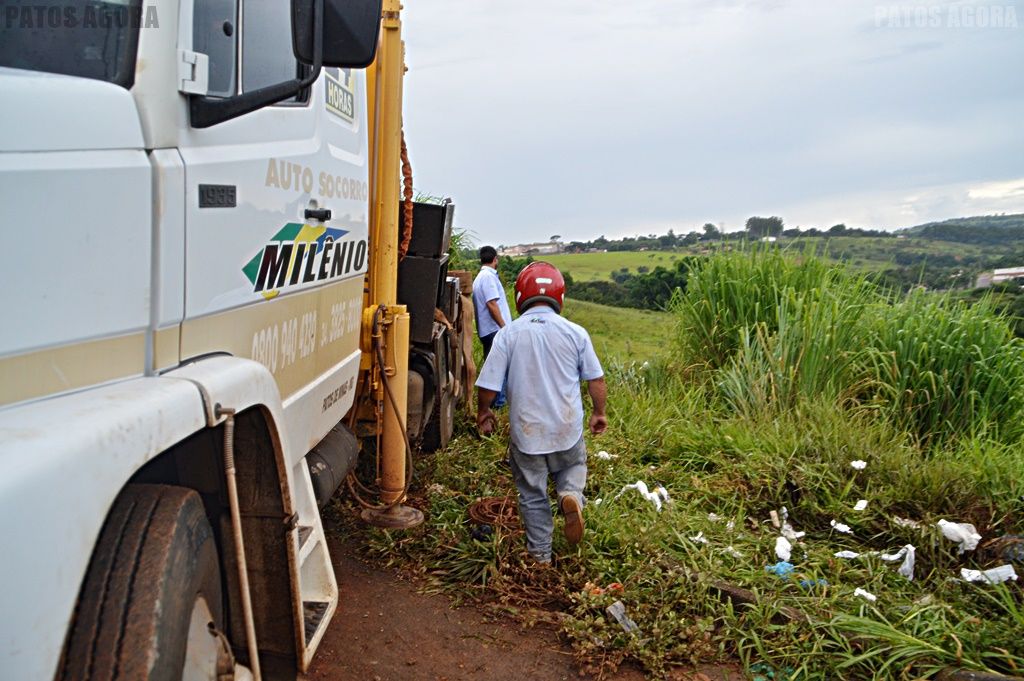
150 606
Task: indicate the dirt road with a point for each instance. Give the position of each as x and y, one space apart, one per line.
386 631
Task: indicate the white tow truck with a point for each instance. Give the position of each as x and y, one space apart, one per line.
203 326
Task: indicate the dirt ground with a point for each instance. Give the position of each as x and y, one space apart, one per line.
385 630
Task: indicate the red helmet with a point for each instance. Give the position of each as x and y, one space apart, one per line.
540 281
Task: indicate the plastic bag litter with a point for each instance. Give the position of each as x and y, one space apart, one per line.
964 534
783 549
865 594
858 465
841 527
860 505
781 569
789 533
907 555
617 611
811 583
906 522
605 456
659 495
786 529
996 575
733 552
597 502
699 539
846 554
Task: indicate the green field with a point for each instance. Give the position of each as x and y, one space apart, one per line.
622 334
594 266
866 254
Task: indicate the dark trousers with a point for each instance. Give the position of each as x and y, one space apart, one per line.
487 341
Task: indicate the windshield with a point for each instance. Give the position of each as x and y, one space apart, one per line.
85 38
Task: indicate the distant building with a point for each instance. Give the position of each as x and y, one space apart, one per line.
546 248
986 279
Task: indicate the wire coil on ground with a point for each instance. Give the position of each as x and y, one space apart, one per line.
495 511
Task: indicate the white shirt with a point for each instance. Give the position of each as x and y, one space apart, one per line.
487 287
544 357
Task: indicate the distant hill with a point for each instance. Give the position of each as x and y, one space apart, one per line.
981 229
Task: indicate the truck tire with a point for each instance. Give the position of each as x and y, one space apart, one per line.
439 428
150 593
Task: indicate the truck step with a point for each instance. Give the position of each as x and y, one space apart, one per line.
313 616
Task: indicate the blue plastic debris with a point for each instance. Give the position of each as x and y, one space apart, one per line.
780 569
811 583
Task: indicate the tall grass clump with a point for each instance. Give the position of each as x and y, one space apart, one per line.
773 332
811 353
943 369
729 294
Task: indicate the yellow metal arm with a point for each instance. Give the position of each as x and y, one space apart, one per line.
384 108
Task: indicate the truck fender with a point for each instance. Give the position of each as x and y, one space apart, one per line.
65 460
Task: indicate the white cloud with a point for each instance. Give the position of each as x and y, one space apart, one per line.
586 117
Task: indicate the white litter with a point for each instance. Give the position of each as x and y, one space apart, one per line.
699 539
859 465
865 594
996 575
730 526
714 517
846 554
860 505
783 549
733 552
789 533
597 502
787 530
841 527
964 534
605 456
656 497
906 522
907 555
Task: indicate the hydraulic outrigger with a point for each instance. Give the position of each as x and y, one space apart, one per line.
385 330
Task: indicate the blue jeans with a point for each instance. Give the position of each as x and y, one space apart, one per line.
486 342
568 468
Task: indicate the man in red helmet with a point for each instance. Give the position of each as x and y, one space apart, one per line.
541 358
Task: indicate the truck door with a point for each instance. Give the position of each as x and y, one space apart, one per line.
269 276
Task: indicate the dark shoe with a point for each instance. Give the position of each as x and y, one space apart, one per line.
573 518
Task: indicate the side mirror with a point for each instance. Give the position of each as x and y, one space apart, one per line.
349 28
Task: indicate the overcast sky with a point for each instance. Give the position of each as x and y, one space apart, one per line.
589 117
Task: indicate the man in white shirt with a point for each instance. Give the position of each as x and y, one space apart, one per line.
490 305
541 359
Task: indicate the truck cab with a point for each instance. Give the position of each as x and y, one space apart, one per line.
188 357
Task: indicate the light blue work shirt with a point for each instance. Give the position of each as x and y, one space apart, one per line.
544 357
486 287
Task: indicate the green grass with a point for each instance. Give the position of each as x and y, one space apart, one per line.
599 266
622 334
864 254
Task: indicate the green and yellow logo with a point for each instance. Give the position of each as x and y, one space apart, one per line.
303 254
